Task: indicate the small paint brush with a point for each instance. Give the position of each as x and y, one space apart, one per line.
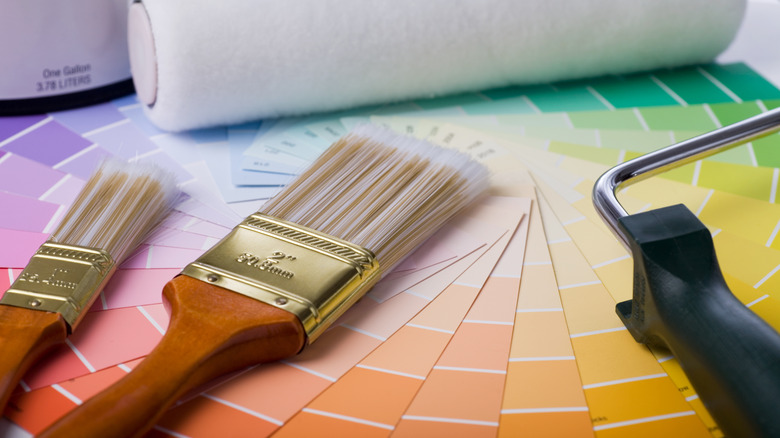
112 214
283 275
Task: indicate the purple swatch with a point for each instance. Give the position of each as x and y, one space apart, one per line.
86 119
49 144
23 176
136 114
66 191
25 214
85 164
124 140
11 125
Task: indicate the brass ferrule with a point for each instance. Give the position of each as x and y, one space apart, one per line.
310 274
61 278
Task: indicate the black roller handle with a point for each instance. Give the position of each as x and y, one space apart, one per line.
681 301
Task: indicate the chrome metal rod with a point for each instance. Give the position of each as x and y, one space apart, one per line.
653 163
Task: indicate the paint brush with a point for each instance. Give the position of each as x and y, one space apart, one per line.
112 214
282 276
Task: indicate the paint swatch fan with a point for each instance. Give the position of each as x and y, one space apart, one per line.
559 362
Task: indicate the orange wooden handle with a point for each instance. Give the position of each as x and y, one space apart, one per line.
212 332
25 336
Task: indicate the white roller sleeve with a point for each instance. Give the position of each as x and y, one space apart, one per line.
199 63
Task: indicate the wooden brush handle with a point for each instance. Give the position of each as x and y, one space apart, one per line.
25 336
212 331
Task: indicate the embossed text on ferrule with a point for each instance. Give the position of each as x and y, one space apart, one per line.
49 280
268 263
303 271
61 278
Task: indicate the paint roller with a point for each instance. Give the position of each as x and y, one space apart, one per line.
680 298
197 63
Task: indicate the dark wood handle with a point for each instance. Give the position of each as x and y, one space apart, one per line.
212 332
25 336
681 301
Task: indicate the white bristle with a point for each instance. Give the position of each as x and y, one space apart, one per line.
118 207
382 191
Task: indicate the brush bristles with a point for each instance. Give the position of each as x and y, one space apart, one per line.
385 192
117 208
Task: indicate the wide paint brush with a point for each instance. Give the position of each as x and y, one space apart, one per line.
283 275
112 214
681 300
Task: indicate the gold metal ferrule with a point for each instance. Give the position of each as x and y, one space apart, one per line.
310 274
61 278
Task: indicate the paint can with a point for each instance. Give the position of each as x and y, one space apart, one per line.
56 55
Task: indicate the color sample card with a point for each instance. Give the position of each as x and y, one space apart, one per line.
597 336
362 329
543 395
502 325
579 218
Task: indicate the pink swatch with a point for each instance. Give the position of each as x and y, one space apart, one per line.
103 339
135 287
22 176
18 247
150 257
25 214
